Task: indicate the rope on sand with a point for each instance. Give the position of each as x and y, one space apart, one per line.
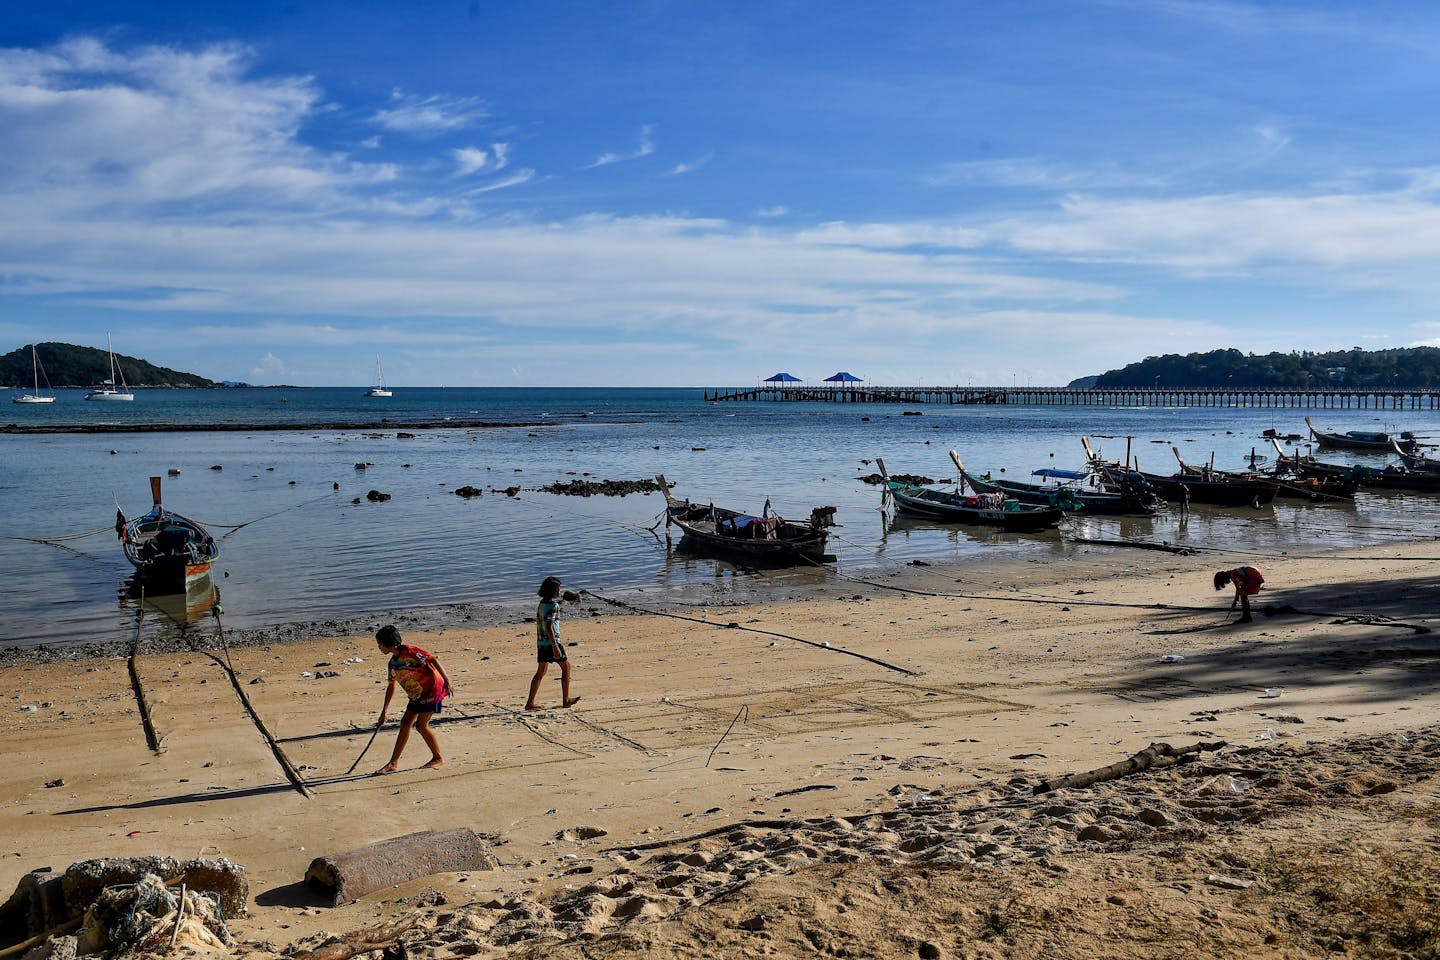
275 748
766 633
152 739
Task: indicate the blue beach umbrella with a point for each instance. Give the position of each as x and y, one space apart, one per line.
782 378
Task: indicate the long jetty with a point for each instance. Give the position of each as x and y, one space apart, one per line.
1359 399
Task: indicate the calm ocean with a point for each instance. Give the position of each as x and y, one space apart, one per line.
316 555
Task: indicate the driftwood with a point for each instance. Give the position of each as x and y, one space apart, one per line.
356 942
1155 755
353 874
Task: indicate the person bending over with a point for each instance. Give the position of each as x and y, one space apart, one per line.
424 681
1247 581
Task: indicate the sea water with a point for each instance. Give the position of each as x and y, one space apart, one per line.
297 549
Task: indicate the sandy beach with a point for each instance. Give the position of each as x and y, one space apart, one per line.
730 786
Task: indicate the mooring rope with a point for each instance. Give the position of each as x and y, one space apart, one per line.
736 626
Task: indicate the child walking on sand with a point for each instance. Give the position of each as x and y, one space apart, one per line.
424 681
548 648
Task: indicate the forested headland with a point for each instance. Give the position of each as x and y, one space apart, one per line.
68 365
1406 368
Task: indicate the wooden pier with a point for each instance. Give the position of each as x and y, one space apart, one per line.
1377 399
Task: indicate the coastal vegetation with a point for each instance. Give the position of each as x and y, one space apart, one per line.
69 365
1407 368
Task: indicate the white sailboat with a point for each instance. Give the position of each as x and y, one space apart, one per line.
108 390
379 389
37 396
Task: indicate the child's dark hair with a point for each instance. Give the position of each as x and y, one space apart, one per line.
1222 577
549 588
388 637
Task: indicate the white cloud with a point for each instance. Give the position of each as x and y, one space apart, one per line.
514 180
773 212
643 148
83 127
469 160
680 169
268 368
409 113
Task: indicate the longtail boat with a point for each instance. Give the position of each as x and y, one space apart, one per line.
988 509
1221 490
168 551
1376 442
1415 461
1075 491
764 540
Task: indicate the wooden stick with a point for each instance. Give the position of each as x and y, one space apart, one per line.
745 709
1157 754
179 915
373 734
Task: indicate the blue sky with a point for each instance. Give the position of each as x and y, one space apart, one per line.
701 193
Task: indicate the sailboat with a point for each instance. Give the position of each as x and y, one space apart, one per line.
37 396
379 389
107 390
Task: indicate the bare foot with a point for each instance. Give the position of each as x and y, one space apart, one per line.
434 762
572 701
531 706
388 768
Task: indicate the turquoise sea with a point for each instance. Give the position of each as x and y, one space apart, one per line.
307 552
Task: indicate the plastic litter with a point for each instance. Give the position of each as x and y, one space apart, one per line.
1271 693
1171 658
1267 734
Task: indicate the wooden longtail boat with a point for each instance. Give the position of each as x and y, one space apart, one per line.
764 540
988 509
1181 487
1414 461
1376 442
1077 494
168 551
1298 484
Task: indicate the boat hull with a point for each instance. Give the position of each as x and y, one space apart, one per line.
110 397
168 551
1220 493
942 505
1375 443
29 399
1086 501
708 530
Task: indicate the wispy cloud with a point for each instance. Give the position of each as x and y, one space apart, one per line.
515 179
644 147
771 213
409 113
470 160
1038 173
680 169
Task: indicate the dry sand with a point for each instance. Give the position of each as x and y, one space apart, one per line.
855 808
